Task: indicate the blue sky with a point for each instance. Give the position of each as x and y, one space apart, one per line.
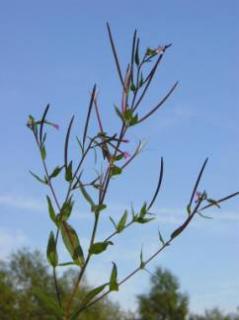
53 52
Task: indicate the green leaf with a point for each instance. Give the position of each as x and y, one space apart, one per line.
66 210
129 118
72 243
133 87
55 172
44 181
143 220
113 222
119 157
114 171
97 208
213 202
113 285
151 52
51 250
141 81
161 238
136 57
119 113
43 152
99 247
86 195
51 210
143 210
93 293
68 174
142 263
122 222
189 211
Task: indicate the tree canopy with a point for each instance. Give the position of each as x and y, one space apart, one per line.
164 300
27 291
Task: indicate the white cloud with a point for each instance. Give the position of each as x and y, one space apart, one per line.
21 202
11 240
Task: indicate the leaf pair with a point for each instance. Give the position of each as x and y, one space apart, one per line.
119 227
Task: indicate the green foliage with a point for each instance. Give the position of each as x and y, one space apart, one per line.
164 301
51 250
108 150
215 314
72 243
27 291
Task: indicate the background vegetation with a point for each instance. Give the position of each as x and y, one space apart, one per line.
26 287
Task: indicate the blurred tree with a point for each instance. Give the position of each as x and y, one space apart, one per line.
164 301
215 314
26 290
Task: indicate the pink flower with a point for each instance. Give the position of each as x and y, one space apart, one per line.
56 126
198 196
126 155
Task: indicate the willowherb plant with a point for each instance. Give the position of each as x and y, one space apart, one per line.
111 161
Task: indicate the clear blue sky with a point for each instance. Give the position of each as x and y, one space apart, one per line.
53 52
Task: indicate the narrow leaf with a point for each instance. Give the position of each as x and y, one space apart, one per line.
56 172
114 171
51 210
113 222
51 250
93 293
43 152
161 238
68 174
122 222
72 243
66 210
67 142
86 195
97 208
142 263
113 285
38 178
99 247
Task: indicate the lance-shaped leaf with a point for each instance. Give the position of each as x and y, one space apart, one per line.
129 118
51 250
56 172
213 202
93 293
66 210
69 174
99 247
122 222
161 238
136 57
113 285
114 171
142 263
72 243
113 222
97 208
67 142
51 210
44 181
86 195
142 216
43 152
119 113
